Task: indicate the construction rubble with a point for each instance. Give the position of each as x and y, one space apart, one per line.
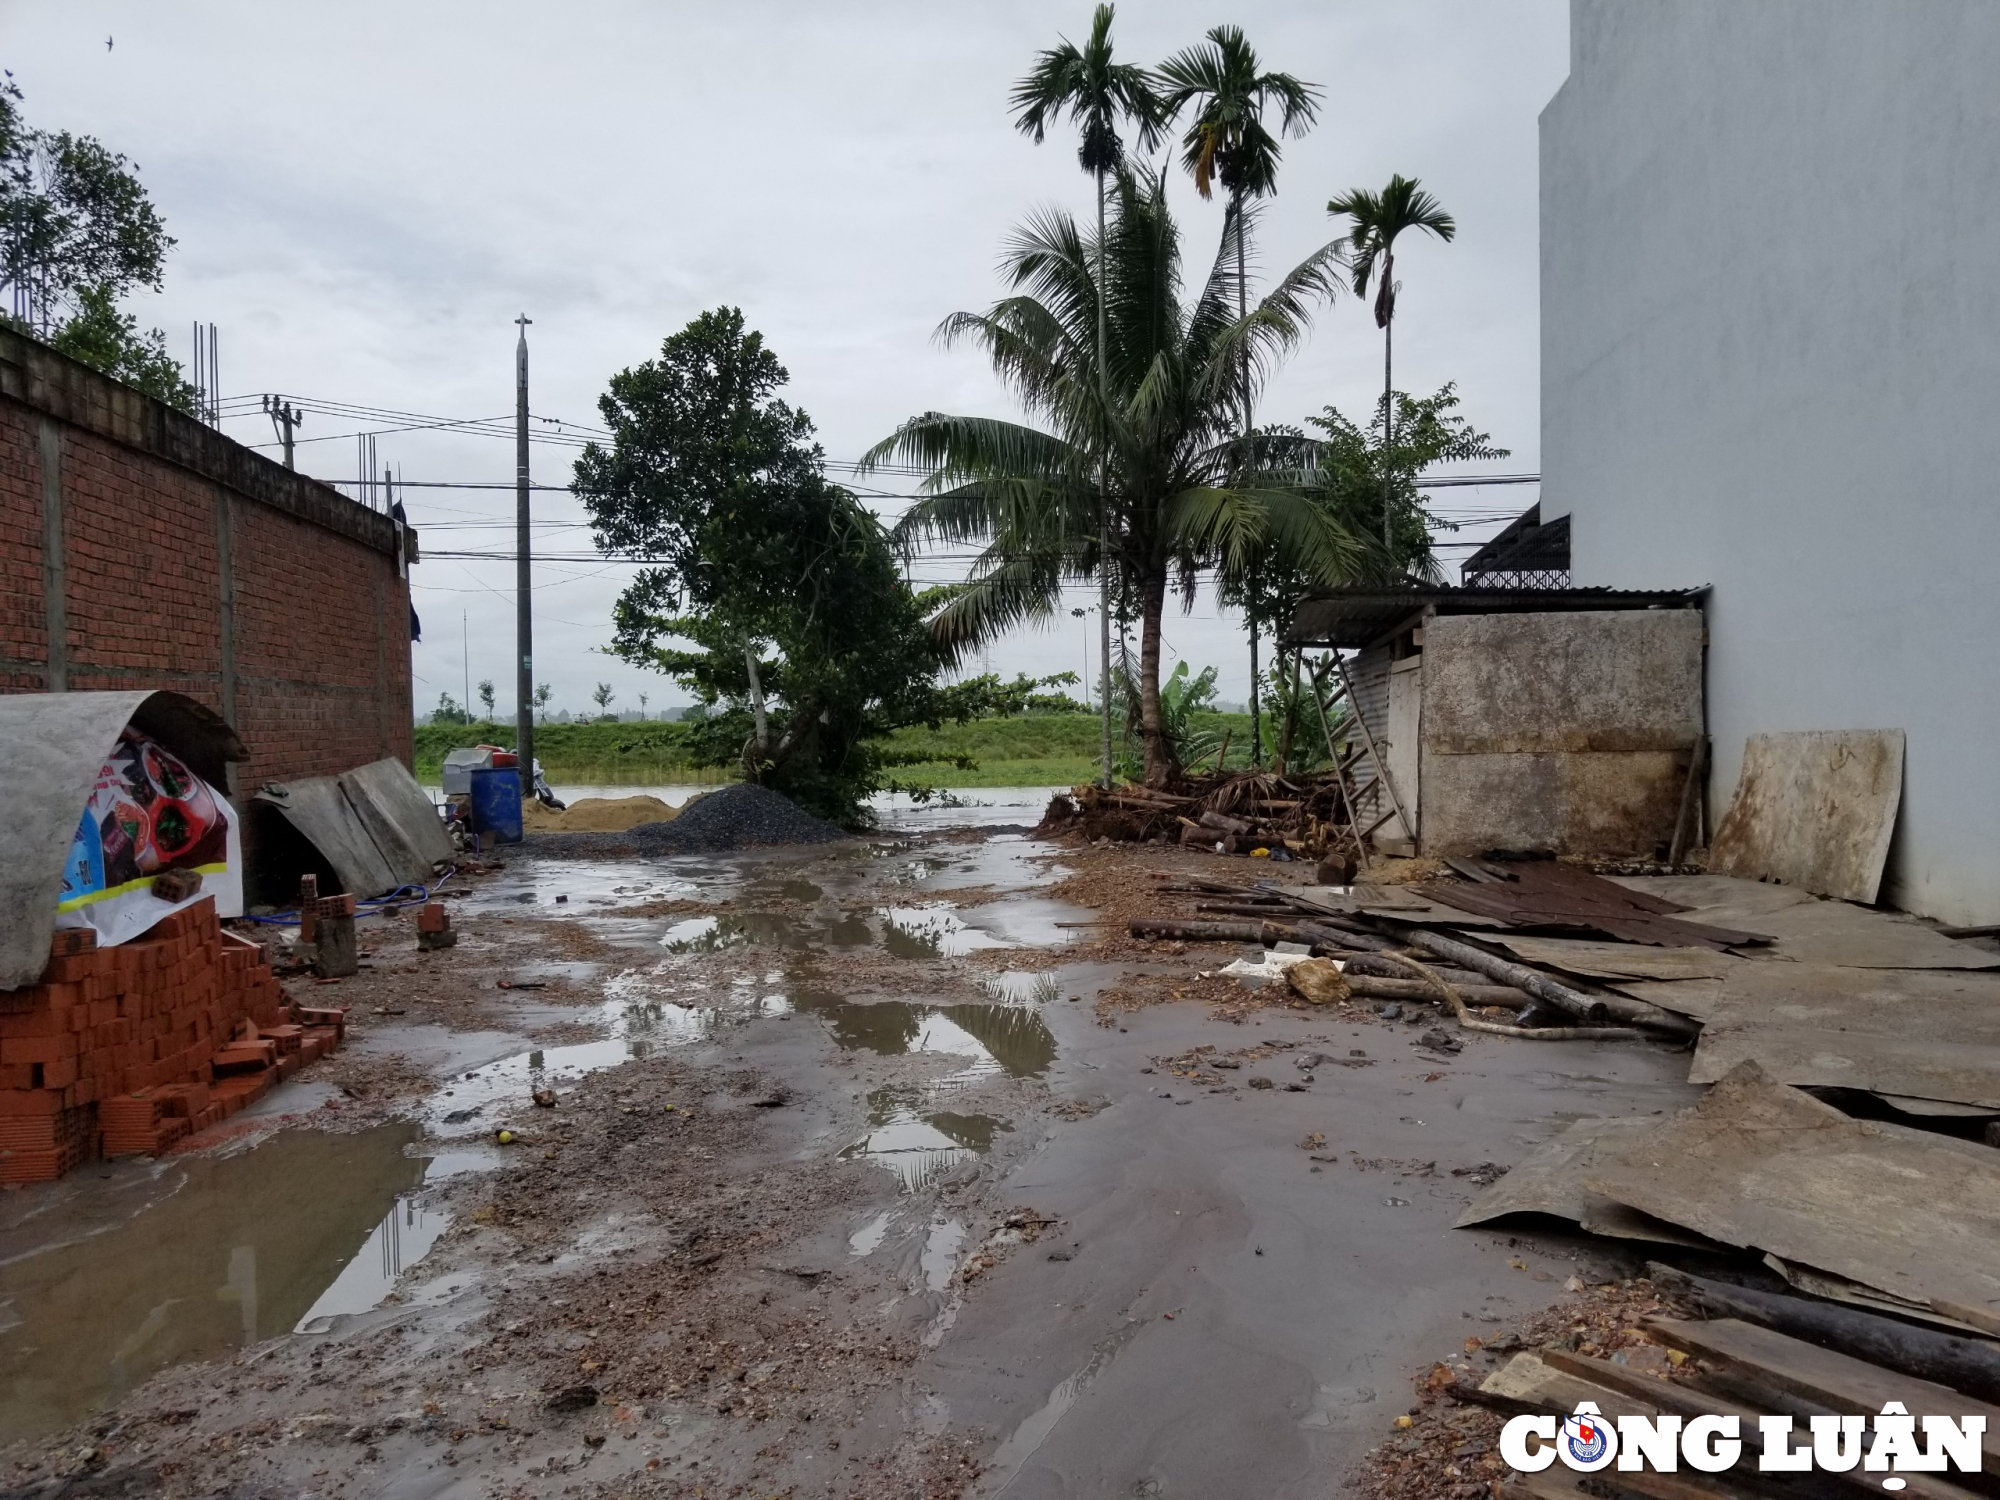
1828 1212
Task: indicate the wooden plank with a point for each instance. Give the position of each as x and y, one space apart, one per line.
1825 1377
1651 1390
1815 810
1526 1383
1758 1164
1926 1034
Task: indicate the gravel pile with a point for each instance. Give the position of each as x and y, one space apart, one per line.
741 816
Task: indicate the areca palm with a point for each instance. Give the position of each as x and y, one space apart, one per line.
1228 142
1095 92
1162 422
1378 218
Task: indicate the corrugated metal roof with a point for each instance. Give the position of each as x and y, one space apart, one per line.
1352 618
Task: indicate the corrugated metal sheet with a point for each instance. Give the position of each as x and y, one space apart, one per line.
374 825
1355 618
53 745
1368 671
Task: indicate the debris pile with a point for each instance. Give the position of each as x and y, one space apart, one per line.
129 1049
1286 817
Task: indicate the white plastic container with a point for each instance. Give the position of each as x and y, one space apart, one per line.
459 766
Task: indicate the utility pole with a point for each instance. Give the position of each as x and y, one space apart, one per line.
284 417
524 609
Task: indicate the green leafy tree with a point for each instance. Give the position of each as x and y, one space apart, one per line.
1227 142
1180 496
106 339
486 697
448 711
1097 93
602 697
543 692
1378 220
1369 480
770 592
77 233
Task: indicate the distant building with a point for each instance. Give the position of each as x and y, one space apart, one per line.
1770 297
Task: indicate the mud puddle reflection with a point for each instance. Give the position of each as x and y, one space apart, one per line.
909 1134
920 1145
119 1276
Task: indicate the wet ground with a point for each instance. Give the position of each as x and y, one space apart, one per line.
851 1186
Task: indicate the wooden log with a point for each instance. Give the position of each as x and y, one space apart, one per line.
1965 1364
1223 823
1212 932
1336 934
1374 987
1588 1008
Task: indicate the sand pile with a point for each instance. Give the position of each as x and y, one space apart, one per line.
740 816
597 815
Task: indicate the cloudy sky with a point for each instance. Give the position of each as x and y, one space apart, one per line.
366 195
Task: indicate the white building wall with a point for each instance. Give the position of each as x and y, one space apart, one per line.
1771 364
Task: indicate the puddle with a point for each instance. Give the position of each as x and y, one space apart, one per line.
614 882
934 931
107 1279
868 1238
940 1257
995 1038
919 1147
1021 987
747 929
403 1238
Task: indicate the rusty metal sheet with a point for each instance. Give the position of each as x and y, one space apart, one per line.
1550 1182
1687 997
1926 1034
1834 932
1545 893
1696 894
1617 961
1814 810
1757 1164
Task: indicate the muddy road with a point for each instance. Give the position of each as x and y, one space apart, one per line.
872 1169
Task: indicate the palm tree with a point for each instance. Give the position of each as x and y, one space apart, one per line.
1159 434
1378 219
1096 92
1227 142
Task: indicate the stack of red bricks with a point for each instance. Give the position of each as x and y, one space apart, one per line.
128 1050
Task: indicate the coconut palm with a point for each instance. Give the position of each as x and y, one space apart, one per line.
1378 218
1164 423
1085 84
1227 142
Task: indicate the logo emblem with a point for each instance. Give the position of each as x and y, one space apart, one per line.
1588 1442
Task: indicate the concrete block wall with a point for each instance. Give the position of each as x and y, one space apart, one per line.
140 548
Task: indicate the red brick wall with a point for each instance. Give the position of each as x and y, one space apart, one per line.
319 670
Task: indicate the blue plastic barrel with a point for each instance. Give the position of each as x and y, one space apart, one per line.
496 803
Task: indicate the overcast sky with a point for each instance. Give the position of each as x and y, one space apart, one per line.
366 195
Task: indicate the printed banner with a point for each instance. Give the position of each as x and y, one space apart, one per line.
148 813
